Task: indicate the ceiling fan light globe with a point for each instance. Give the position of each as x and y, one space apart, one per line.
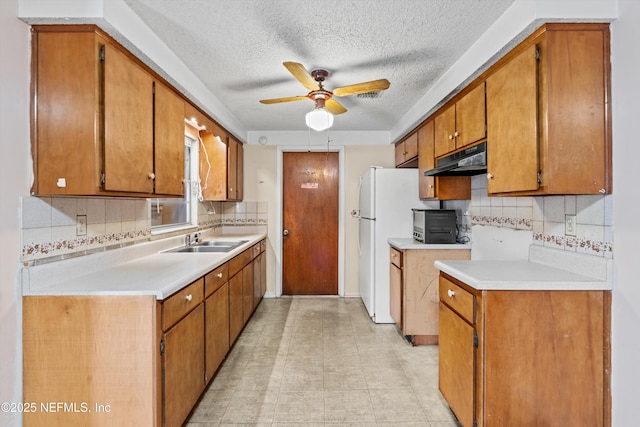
319 119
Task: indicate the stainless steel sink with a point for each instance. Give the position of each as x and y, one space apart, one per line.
210 246
203 249
231 243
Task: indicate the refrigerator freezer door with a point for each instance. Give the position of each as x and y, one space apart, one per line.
367 194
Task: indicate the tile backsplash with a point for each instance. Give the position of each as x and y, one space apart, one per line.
49 223
544 216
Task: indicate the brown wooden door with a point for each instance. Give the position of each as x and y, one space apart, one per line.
310 223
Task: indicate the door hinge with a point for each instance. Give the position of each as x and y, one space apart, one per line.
475 339
103 178
475 424
161 347
538 53
539 177
101 54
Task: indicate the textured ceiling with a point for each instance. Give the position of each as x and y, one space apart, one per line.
237 47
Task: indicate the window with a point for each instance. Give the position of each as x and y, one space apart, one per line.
174 213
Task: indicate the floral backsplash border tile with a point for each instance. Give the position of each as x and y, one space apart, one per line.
49 224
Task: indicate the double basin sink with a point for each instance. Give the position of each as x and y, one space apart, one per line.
211 246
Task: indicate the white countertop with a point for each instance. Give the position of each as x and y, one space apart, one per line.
137 272
532 274
403 243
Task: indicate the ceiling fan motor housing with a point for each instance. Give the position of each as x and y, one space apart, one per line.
319 75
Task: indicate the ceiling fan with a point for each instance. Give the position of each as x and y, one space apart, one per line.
323 98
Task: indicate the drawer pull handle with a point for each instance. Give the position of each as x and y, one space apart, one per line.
219 275
451 293
188 297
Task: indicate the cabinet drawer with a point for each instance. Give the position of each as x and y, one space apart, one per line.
458 299
239 261
396 257
178 305
215 279
256 250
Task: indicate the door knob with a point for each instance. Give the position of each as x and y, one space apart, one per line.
285 232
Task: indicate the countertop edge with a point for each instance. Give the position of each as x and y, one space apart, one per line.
403 243
460 270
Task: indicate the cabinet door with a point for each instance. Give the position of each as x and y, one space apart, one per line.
232 173
213 164
66 101
240 173
247 292
263 273
128 124
236 319
456 364
257 283
183 366
445 127
216 329
168 141
512 119
395 294
426 160
471 123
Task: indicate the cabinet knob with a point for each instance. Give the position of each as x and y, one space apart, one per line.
451 293
152 175
456 134
489 176
451 136
188 297
219 275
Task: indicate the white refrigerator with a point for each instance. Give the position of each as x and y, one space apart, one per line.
386 199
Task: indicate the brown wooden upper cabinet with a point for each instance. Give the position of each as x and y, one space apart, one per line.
221 165
462 123
440 187
103 124
549 124
407 152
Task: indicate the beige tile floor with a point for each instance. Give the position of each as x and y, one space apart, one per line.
306 361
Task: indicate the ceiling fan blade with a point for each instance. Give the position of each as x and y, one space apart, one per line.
278 100
372 86
334 107
303 76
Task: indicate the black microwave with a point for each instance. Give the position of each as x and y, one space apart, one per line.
435 226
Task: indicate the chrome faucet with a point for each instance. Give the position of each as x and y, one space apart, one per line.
191 240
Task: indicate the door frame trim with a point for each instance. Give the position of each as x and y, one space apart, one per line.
279 213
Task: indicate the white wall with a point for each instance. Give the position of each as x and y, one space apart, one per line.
15 180
626 178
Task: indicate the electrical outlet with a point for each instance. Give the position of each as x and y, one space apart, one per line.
570 225
81 225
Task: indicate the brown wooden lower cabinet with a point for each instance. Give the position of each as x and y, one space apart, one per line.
414 291
130 360
516 358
